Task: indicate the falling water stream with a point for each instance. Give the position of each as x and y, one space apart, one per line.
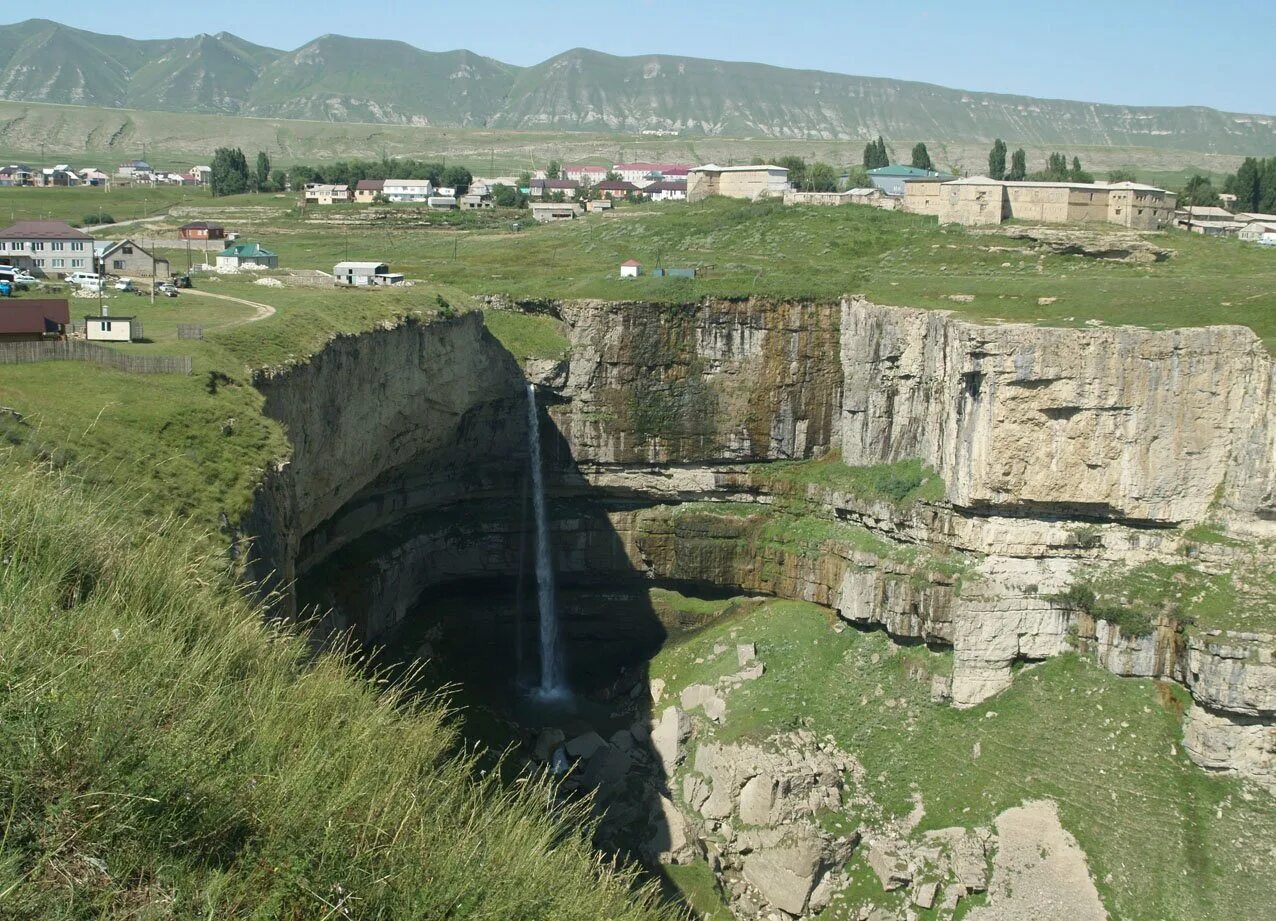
553 684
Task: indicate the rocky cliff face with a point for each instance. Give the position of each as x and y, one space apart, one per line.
1119 424
1061 451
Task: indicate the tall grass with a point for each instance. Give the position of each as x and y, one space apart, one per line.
165 753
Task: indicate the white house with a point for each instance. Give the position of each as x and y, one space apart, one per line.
410 190
365 274
666 190
591 174
246 255
1254 231
323 194
631 268
442 202
112 329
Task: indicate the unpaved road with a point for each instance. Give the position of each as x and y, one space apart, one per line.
261 311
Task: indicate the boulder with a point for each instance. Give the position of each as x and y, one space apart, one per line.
924 894
546 742
785 876
668 737
702 695
757 800
746 653
668 840
584 746
657 689
891 868
622 739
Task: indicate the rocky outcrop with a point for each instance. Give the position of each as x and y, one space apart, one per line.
1109 424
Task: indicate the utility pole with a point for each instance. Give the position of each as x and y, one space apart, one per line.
154 280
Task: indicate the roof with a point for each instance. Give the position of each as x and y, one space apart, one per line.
714 168
201 225
113 319
369 185
1256 216
631 262
616 185
651 167
871 190
408 183
34 315
43 230
898 169
360 266
667 185
586 168
555 183
246 250
1062 184
1195 211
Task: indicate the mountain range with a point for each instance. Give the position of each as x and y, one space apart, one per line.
341 79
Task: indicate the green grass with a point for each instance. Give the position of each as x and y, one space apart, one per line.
527 335
696 884
1164 838
165 753
901 484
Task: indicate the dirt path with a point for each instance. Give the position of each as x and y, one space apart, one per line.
262 310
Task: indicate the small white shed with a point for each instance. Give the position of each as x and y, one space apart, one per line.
631 268
358 273
112 329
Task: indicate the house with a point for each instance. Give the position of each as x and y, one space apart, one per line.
33 319
445 191
201 230
595 205
442 202
543 188
473 201
105 328
616 188
922 194
60 176
203 174
1194 216
1249 216
135 171
548 212
631 268
94 177
364 274
751 182
588 174
643 173
981 201
246 255
1254 231
46 247
891 179
408 190
124 257
319 193
16 174
667 190
366 190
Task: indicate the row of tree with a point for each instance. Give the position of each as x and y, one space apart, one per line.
349 172
231 175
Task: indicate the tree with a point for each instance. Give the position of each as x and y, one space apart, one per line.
456 177
875 154
230 172
504 196
1018 166
797 170
921 157
857 178
1077 174
524 180
612 176
1122 175
1199 191
1247 185
262 174
554 170
997 160
820 177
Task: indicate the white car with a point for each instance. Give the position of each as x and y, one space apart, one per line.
24 278
124 284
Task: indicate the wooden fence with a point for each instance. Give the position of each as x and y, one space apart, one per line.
16 353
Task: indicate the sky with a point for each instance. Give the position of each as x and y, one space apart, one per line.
1172 52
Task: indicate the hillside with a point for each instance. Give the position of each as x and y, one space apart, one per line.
341 79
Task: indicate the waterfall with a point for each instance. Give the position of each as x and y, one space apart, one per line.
552 684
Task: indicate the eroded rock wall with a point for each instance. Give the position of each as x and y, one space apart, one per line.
1150 427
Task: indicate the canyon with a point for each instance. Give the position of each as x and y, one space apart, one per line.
712 446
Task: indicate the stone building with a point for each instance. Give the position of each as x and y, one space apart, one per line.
980 201
751 182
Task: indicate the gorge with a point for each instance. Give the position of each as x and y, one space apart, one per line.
961 487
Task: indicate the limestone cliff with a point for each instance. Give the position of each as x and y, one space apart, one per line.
1150 427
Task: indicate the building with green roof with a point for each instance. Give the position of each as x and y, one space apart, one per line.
891 179
246 255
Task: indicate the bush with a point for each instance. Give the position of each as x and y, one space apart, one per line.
91 220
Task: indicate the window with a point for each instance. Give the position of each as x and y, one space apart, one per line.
77 263
56 244
59 263
37 245
77 245
40 263
117 264
106 326
126 250
19 244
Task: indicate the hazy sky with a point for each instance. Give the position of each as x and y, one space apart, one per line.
1172 52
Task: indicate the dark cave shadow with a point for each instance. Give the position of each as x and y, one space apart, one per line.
453 585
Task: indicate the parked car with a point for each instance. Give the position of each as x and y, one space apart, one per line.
23 278
182 281
84 278
166 289
125 284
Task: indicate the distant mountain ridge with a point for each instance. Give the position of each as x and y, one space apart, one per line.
341 79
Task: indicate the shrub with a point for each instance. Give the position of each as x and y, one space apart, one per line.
91 220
